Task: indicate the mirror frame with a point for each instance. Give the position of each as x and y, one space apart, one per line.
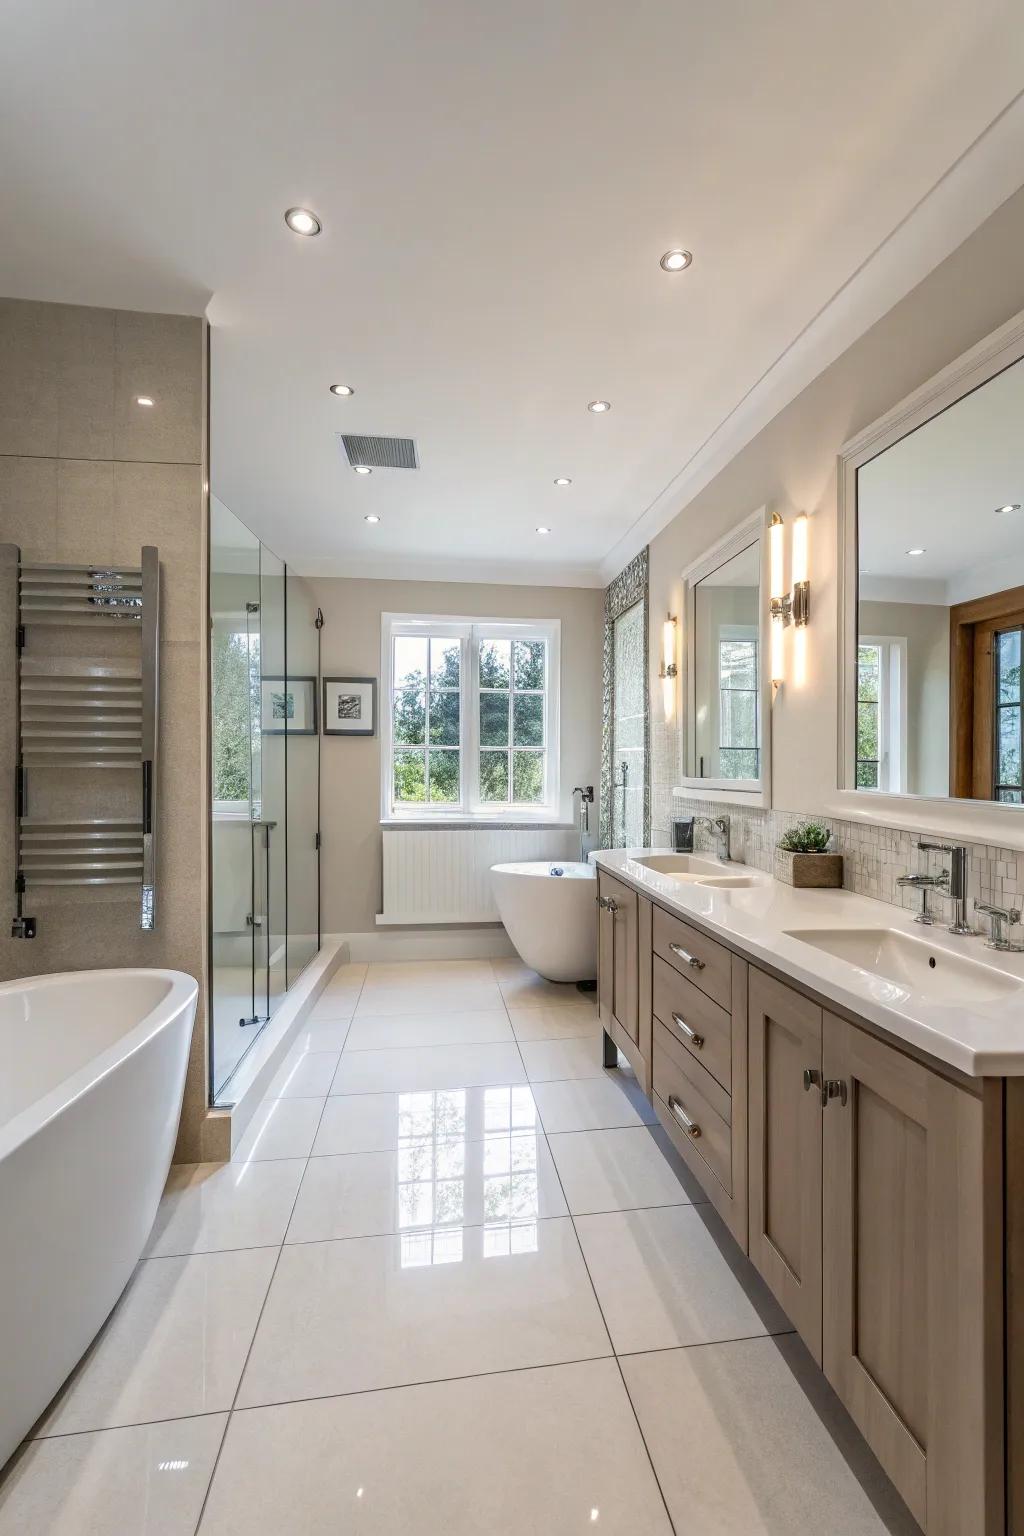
750 792
985 821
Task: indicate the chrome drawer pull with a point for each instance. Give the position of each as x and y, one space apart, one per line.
689 1126
697 1041
684 954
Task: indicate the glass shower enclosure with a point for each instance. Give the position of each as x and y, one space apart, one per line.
265 769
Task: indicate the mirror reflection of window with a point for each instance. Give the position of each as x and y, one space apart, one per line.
727 726
940 531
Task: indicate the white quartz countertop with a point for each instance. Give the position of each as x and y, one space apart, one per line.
983 1038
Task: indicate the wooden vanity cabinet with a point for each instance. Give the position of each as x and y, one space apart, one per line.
624 973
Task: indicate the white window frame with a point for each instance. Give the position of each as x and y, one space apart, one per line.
892 713
469 632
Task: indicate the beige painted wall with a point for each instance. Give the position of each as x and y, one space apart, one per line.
791 465
925 627
350 783
87 474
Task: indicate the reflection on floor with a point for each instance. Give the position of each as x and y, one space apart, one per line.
455 1281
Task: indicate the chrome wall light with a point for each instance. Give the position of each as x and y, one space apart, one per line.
794 606
669 669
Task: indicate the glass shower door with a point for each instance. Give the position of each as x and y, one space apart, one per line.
629 752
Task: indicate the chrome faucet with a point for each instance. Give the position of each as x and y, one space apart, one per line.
718 826
956 882
924 884
1003 919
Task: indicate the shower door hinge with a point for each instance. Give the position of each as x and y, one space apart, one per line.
252 607
319 620
316 841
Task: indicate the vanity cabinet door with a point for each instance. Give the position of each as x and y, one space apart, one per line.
903 1257
785 1149
618 956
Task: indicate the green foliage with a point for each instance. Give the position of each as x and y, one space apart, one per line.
232 702
808 837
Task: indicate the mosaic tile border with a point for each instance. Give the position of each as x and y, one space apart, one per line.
630 586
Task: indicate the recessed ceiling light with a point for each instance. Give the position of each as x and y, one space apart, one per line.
597 406
676 260
1010 506
342 389
917 551
148 400
301 222
362 469
543 530
563 480
371 517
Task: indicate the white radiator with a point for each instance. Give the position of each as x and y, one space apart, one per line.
440 875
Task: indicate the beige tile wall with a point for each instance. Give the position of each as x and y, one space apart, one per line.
87 474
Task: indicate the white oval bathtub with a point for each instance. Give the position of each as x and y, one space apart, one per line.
550 917
92 1070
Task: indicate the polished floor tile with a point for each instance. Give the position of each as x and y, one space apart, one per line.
748 1440
175 1345
381 1122
662 1280
523 988
210 1206
321 1035
149 1480
304 1075
593 1103
548 1452
385 973
471 996
427 1184
621 1170
390 1311
280 1128
381 1032
408 1069
557 1060
554 1021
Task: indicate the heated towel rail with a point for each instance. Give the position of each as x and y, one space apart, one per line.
79 719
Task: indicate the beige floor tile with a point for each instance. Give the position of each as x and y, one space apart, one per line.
621 1170
382 1122
405 1070
663 1280
523 988
390 1311
213 1206
149 1480
321 1035
280 1128
557 1021
441 996
375 1032
593 1103
558 1060
547 1452
748 1440
304 1075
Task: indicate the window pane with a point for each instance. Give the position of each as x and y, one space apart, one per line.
494 719
528 663
410 715
737 764
444 777
410 661
410 778
738 663
444 719
445 657
739 718
1010 796
1009 666
528 720
494 663
1009 745
868 658
494 776
867 731
867 775
528 777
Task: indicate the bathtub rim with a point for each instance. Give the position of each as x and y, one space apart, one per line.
535 869
182 996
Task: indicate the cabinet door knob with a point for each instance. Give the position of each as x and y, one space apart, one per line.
684 954
697 1041
688 1124
834 1088
611 905
601 901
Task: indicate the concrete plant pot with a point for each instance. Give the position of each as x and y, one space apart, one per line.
809 871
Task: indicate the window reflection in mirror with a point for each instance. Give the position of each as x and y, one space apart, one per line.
727 726
941 603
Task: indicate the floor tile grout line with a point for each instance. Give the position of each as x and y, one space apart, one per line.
263 1307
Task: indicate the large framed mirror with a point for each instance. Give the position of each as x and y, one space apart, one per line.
932 520
727 739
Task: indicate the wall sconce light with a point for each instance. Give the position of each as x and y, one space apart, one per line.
669 670
793 607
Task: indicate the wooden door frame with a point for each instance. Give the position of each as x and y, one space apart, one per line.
971 690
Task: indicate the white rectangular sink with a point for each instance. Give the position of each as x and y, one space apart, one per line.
692 869
910 965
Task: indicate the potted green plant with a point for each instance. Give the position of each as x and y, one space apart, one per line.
802 857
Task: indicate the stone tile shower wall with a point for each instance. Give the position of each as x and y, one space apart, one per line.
873 857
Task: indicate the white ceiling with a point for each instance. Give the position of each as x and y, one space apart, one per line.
497 183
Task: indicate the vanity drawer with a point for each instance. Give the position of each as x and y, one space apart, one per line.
699 1109
700 1025
707 964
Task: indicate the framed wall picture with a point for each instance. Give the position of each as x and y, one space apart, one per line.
350 706
288 705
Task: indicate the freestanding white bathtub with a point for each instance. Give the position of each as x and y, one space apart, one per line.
549 914
92 1070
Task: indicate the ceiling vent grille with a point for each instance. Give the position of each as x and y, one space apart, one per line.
379 452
